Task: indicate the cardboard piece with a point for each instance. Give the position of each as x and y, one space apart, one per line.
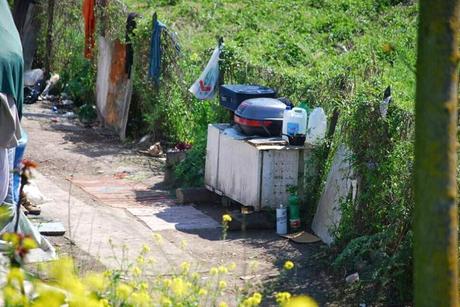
302 237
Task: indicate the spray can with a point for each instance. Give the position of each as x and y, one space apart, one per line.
294 213
281 220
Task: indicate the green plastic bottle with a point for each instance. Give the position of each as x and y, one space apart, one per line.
294 213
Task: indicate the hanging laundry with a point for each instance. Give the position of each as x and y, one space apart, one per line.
90 27
130 26
155 49
11 62
205 87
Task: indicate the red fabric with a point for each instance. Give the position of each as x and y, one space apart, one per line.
90 27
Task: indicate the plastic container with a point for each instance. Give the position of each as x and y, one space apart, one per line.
295 121
281 220
231 95
294 213
317 125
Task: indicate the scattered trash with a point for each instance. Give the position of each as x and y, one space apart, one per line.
33 193
155 150
50 84
302 237
33 76
183 146
67 102
386 102
281 220
70 115
54 109
352 278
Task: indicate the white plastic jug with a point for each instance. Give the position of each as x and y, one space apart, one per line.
317 125
295 121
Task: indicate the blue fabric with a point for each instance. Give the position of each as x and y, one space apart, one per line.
18 156
155 51
10 196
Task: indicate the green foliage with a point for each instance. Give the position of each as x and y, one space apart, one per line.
190 172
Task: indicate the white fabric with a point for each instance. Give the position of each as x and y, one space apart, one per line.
4 174
10 131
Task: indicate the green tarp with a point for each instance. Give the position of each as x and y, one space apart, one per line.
11 62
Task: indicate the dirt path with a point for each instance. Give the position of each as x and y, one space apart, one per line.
64 150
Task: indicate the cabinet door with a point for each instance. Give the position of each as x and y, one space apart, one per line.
280 170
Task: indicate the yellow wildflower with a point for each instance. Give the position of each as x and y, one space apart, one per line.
29 243
95 281
179 286
167 282
140 260
123 291
223 304
226 218
257 297
15 274
214 271
140 299
202 292
104 302
250 302
185 266
223 269
288 265
232 266
282 297
145 249
137 271
222 284
13 297
48 296
301 301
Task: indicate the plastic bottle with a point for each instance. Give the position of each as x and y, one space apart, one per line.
281 220
294 213
317 125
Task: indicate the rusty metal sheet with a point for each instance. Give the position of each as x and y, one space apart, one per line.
121 193
113 87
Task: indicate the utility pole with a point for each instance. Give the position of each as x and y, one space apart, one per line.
435 224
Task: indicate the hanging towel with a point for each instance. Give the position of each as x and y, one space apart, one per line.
130 26
206 85
155 49
11 62
90 27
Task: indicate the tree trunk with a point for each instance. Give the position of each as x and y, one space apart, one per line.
49 38
435 225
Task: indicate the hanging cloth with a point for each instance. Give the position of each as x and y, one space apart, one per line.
205 87
130 26
155 49
11 62
10 130
90 27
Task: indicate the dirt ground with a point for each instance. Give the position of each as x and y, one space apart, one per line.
65 148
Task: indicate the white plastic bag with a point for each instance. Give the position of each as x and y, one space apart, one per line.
32 76
205 86
34 194
317 125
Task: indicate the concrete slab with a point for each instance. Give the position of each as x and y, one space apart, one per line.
174 217
51 229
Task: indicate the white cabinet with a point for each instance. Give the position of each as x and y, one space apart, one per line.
252 171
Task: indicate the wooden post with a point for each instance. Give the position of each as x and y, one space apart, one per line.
49 38
435 224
